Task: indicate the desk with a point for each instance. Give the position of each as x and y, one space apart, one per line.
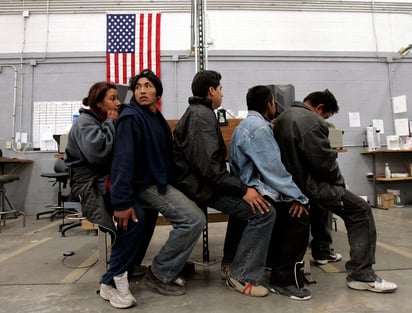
6 160
16 163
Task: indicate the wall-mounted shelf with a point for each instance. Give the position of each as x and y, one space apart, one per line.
381 179
393 179
385 151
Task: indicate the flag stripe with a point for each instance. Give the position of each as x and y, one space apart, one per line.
124 67
141 42
157 50
116 67
149 42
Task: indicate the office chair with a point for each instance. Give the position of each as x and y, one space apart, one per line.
60 176
5 179
76 221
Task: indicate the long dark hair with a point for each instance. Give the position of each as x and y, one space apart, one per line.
97 92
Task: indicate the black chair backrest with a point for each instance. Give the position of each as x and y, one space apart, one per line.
60 166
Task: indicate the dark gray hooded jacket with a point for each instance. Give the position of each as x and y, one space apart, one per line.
302 136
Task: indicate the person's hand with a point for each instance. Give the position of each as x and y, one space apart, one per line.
122 217
113 114
256 201
297 209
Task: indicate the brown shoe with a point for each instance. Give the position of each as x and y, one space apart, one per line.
139 271
167 289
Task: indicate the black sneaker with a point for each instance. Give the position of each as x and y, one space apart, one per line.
292 292
167 289
333 257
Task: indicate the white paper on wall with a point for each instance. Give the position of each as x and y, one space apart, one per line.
378 124
354 119
22 137
402 126
399 104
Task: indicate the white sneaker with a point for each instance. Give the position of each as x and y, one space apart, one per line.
123 298
380 285
107 291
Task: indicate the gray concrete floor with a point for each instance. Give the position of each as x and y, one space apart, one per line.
35 277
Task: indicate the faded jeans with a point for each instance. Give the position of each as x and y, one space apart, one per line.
187 220
250 259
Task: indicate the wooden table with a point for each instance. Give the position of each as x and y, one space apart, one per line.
6 160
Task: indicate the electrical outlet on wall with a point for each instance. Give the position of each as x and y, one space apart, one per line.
8 145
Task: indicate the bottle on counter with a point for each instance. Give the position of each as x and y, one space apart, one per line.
388 173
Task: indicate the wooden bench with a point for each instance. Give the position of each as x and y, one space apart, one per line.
212 215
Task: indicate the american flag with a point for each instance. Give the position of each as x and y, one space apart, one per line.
133 44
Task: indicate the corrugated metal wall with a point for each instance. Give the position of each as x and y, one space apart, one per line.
102 6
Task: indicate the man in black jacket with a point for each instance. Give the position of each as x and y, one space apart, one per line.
302 135
200 158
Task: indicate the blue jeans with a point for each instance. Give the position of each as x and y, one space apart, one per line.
187 220
361 231
250 259
234 232
125 247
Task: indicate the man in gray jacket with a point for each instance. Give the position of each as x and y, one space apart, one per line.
302 134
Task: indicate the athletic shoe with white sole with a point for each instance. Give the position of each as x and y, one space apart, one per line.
380 285
333 257
117 300
292 292
107 292
246 288
223 271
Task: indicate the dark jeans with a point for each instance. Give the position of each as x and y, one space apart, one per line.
361 231
149 227
124 249
321 232
287 247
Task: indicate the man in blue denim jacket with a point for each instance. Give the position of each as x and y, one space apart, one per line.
199 155
255 158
